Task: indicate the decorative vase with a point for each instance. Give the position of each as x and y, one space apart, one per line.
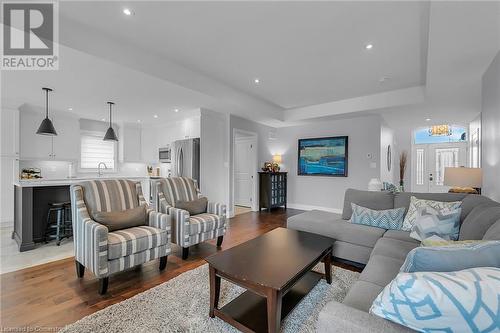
401 186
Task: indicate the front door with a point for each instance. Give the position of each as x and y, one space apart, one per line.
430 161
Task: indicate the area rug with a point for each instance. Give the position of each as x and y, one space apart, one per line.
182 304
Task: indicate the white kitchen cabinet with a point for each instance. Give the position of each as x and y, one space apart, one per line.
150 145
64 146
130 138
9 120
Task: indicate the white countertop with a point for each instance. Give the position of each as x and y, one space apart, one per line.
70 181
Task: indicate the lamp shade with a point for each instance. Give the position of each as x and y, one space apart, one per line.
46 128
463 177
110 135
277 158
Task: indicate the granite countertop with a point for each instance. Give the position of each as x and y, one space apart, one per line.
69 181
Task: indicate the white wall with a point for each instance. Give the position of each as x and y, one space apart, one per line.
491 130
386 139
214 156
306 192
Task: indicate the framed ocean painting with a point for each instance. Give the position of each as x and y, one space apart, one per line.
323 156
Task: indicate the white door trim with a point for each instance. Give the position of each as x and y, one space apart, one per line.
254 139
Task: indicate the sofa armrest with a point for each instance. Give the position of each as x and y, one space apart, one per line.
90 237
216 208
159 220
340 318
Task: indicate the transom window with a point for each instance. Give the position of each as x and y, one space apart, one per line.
440 134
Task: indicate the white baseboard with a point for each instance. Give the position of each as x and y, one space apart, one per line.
310 207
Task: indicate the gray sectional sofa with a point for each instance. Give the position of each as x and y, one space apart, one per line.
383 251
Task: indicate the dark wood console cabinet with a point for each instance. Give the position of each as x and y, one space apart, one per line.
273 186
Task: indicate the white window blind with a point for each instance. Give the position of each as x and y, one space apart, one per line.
94 150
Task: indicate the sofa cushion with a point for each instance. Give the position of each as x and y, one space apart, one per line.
401 235
109 195
125 242
204 222
473 200
337 317
479 220
362 294
330 225
393 248
381 270
369 199
493 232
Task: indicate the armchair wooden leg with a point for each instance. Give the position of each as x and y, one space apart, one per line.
219 241
185 253
103 285
80 269
163 262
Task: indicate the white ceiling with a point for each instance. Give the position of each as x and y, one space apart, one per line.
309 56
303 52
85 83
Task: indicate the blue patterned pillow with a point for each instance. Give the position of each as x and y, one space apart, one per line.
386 219
444 223
463 301
450 258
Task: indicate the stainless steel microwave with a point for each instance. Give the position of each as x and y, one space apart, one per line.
164 155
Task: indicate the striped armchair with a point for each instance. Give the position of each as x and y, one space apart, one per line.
106 252
189 229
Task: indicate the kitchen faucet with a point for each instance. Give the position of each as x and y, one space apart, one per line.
99 172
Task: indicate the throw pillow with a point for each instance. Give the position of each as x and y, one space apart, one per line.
437 241
463 301
452 258
387 219
433 222
124 219
415 204
194 207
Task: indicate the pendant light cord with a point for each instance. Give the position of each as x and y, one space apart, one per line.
46 103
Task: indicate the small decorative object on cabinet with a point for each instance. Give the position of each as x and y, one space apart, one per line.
273 188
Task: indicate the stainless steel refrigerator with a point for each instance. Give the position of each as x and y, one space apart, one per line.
186 159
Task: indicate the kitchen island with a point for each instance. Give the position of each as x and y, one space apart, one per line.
31 205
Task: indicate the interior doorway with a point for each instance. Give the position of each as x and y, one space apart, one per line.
245 166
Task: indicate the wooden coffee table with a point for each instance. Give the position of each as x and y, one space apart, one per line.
275 268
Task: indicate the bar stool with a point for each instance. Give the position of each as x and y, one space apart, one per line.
59 228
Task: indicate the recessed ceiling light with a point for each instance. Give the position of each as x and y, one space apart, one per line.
155 116
256 80
427 119
176 110
103 119
127 11
369 46
138 120
70 109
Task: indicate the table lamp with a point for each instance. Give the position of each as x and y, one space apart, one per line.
463 180
276 162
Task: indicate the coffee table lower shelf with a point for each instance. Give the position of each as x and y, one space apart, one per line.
248 312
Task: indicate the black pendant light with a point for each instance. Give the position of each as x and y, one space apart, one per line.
46 127
110 133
